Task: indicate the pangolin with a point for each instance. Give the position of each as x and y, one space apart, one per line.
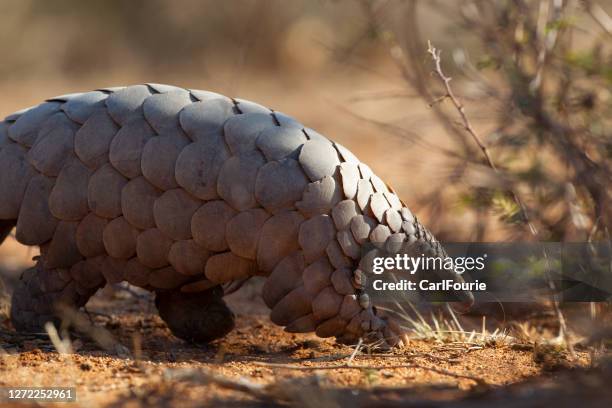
188 193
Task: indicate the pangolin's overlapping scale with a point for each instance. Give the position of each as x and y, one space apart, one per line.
364 193
349 307
394 200
227 267
104 191
315 235
68 199
173 212
188 257
346 155
365 170
208 225
198 286
89 235
152 248
318 159
136 273
92 141
88 272
331 327
15 175
245 107
341 280
379 205
394 242
4 138
320 196
126 148
164 88
27 126
379 235
80 107
199 95
349 172
285 277
16 115
393 219
158 160
291 307
279 238
237 178
326 304
166 278
201 120
243 232
35 223
378 184
63 251
336 256
279 185
119 238
343 213
361 226
284 120
241 131
349 245
277 142
54 145
409 228
198 166
126 103
317 276
302 324
113 269
137 199
162 110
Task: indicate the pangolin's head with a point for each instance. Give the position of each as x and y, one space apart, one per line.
383 317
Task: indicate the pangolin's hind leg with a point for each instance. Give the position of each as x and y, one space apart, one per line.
195 317
41 293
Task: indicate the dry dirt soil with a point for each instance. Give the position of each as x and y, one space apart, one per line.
258 364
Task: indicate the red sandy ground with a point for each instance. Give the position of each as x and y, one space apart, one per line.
149 375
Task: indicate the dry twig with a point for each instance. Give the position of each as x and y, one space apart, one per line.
467 125
435 55
371 367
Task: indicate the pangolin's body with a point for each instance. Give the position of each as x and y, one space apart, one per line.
179 191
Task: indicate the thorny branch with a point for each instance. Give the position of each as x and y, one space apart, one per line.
435 55
467 125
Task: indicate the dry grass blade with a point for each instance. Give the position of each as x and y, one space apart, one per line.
100 335
599 15
63 346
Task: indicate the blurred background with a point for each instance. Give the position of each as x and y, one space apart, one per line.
529 74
